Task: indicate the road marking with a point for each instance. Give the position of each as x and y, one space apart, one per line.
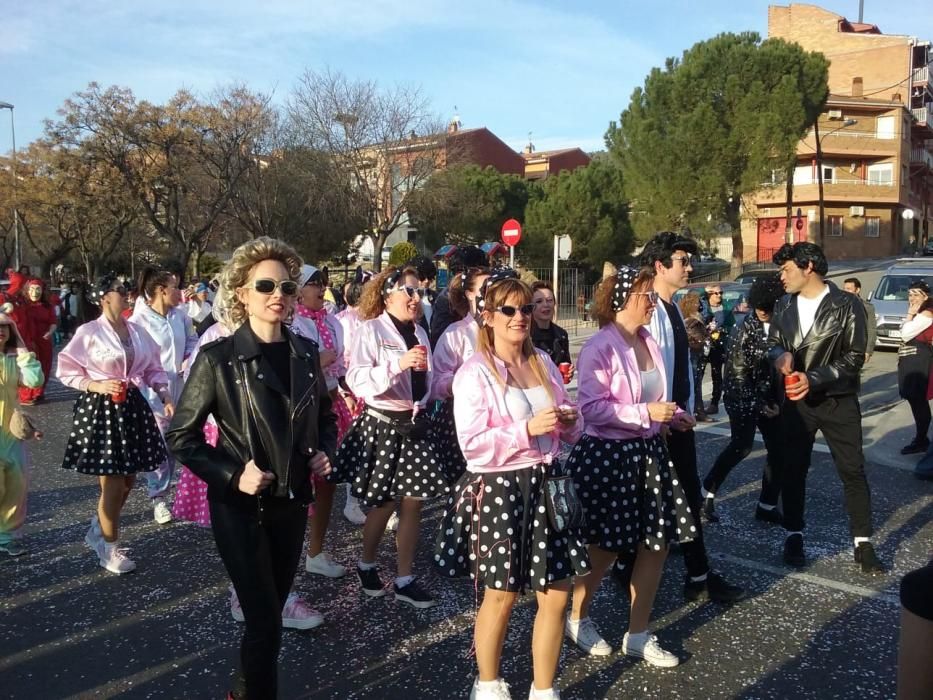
725 432
809 578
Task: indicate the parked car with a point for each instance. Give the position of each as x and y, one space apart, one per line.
928 248
751 275
890 297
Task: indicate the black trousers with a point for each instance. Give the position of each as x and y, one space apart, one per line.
696 366
683 451
743 423
920 407
715 359
840 420
260 550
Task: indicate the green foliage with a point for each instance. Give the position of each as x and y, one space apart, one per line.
468 204
709 128
587 204
402 252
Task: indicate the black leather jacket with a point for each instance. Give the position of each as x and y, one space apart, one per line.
833 352
556 343
214 387
749 381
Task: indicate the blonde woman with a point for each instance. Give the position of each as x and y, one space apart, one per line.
511 411
265 389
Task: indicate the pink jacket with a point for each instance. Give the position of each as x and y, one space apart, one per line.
374 373
350 322
96 354
455 346
491 440
609 386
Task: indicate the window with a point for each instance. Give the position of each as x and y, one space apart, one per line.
881 174
884 128
835 226
803 175
872 226
829 173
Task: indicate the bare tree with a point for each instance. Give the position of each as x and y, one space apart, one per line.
386 142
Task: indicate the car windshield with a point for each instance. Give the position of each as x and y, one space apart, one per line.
894 287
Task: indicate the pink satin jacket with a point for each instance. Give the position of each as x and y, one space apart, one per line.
455 346
491 440
350 321
96 354
374 373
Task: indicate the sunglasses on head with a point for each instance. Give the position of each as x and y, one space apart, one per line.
268 286
119 290
410 291
510 311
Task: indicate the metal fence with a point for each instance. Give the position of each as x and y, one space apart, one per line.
572 296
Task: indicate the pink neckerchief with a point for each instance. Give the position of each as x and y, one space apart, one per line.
327 340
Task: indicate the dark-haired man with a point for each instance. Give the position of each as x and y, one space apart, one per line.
427 273
669 255
817 342
461 259
854 286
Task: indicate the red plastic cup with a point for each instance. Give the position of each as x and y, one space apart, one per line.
790 380
565 368
119 396
423 364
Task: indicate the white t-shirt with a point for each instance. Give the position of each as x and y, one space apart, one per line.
523 404
806 310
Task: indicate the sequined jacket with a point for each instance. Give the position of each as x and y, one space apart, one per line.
749 377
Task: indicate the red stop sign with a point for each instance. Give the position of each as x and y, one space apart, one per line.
511 232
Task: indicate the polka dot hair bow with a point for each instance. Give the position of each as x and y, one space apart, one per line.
390 282
497 275
625 280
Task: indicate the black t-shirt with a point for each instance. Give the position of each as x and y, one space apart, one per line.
419 379
277 356
680 391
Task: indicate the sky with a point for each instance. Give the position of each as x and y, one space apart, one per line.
559 69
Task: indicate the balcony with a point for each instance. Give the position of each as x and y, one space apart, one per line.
849 143
921 75
855 191
921 157
922 116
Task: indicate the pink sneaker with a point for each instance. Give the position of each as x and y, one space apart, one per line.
297 615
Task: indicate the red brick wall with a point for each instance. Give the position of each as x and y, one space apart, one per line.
483 148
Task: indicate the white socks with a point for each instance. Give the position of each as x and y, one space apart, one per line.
859 540
706 494
363 566
402 581
766 506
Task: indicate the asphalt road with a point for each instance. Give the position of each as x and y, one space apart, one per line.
68 629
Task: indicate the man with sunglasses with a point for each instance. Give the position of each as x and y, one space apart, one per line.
669 255
464 257
719 322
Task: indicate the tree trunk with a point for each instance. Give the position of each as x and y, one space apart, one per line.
379 242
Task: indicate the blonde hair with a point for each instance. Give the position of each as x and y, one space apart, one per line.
496 296
228 309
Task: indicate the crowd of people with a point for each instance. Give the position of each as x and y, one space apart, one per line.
269 396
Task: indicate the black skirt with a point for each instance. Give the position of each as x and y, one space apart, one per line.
496 530
630 494
913 370
110 438
382 465
444 433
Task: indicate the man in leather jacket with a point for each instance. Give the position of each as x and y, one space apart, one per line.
817 341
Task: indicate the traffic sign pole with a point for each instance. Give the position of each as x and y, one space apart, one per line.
511 234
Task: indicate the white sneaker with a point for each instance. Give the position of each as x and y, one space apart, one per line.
585 635
353 512
392 525
114 558
298 615
324 565
650 651
552 694
500 691
93 535
160 511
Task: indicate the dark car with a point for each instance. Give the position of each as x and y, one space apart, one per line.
750 276
928 248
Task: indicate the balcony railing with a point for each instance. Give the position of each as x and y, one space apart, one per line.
921 156
922 115
921 75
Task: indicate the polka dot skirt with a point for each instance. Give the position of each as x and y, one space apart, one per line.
630 494
109 438
496 530
444 433
382 465
191 493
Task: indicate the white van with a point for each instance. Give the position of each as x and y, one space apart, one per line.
890 297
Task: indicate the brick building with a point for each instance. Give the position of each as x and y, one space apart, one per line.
542 164
876 136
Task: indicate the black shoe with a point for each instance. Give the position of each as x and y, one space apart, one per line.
369 580
701 417
865 555
412 594
709 510
714 587
915 447
924 476
793 551
772 515
713 408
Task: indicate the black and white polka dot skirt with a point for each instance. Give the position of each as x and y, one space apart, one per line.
630 494
496 529
382 465
110 438
444 434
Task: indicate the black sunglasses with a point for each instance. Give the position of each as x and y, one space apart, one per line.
525 309
267 286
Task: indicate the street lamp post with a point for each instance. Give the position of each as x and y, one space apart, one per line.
819 165
16 260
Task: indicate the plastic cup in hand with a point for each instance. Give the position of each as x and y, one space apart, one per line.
790 380
565 368
423 362
119 396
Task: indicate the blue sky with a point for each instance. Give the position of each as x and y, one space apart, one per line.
560 70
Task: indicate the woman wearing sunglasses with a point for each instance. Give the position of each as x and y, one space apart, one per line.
265 389
623 474
114 435
387 455
455 346
512 411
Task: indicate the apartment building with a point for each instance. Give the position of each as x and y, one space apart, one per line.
875 138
